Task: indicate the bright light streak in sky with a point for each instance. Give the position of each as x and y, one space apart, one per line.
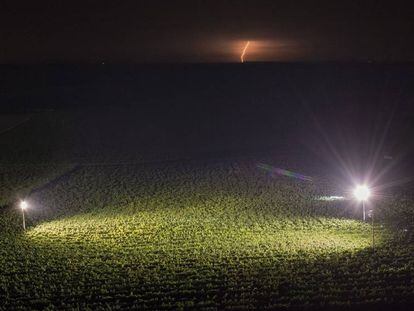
244 51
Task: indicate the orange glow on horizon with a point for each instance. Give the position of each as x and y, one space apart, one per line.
228 50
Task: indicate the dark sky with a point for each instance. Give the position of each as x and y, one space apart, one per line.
204 31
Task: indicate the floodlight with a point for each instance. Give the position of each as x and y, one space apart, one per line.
362 193
23 204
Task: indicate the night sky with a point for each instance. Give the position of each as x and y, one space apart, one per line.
204 31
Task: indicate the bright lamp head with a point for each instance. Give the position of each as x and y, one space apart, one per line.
23 204
362 193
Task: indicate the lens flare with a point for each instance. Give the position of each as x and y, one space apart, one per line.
283 172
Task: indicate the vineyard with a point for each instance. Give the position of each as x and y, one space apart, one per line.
209 235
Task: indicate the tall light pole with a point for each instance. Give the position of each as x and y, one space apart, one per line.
23 206
362 194
363 211
372 221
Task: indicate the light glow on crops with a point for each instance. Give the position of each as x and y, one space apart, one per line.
175 236
217 235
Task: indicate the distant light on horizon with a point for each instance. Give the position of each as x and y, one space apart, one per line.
249 50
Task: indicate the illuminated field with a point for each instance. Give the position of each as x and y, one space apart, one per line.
210 236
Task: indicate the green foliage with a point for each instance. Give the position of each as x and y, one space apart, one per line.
195 236
397 213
